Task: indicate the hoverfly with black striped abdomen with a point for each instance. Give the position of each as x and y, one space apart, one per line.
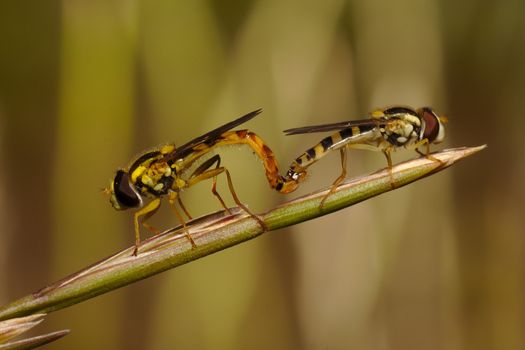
385 130
167 170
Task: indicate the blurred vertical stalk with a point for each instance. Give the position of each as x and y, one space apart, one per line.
182 64
286 47
399 56
94 134
29 37
486 85
4 219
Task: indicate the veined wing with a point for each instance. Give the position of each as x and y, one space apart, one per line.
209 137
335 126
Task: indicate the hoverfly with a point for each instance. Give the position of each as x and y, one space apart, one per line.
168 170
384 130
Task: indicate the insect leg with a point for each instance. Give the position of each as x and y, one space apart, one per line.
213 173
419 144
238 202
184 208
348 137
151 228
387 152
171 199
203 172
339 179
146 212
427 154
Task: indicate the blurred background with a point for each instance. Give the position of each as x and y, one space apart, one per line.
440 264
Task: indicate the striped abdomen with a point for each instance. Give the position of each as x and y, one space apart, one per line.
352 135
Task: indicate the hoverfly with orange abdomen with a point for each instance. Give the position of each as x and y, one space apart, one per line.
385 130
168 170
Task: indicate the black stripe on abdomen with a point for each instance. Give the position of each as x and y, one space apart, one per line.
310 154
327 142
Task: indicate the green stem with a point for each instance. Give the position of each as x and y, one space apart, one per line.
218 231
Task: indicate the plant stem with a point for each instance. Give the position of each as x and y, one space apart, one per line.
218 231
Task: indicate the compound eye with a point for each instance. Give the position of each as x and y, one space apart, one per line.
125 192
432 124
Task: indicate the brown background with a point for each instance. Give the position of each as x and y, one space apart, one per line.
85 85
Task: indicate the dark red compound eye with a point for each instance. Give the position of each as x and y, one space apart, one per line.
432 124
124 192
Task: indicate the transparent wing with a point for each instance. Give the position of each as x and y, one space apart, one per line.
209 137
335 126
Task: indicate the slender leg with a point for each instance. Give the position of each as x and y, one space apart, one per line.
183 208
339 179
204 172
238 202
387 152
154 230
171 199
427 154
216 194
421 143
146 212
214 188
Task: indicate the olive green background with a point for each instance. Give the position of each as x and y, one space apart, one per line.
86 85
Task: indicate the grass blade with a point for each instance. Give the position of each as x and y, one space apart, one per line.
16 326
34 342
217 231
